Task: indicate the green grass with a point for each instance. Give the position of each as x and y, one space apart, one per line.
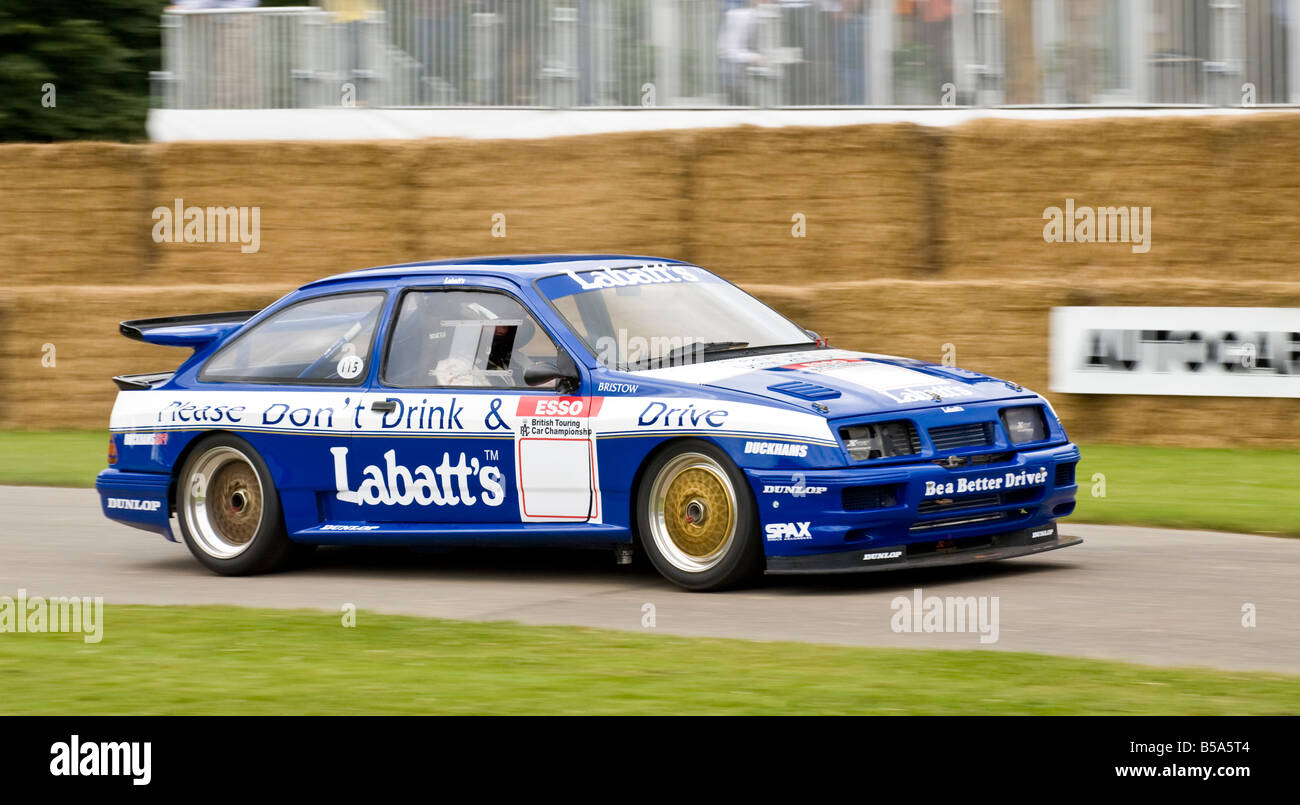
229 660
52 458
1179 487
1223 489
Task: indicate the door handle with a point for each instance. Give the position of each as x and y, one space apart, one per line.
384 406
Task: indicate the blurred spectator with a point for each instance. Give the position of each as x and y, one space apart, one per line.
930 10
799 35
1082 52
738 51
352 15
849 37
923 55
523 19
232 87
438 47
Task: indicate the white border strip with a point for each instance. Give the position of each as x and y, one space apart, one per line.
175 125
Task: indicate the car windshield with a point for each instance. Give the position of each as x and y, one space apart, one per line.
664 315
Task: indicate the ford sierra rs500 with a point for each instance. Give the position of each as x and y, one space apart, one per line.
573 400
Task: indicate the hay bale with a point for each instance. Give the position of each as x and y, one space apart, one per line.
77 391
617 193
860 189
324 208
69 211
998 178
1261 204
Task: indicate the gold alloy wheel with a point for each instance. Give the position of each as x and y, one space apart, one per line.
693 512
237 509
223 502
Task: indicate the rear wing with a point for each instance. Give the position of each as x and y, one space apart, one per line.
186 331
142 382
195 331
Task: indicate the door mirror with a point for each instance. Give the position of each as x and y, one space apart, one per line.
566 379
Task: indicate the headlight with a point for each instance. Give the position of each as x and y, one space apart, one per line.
1024 424
880 440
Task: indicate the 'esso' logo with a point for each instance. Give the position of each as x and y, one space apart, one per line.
554 407
559 406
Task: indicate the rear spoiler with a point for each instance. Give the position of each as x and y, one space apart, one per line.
186 331
142 382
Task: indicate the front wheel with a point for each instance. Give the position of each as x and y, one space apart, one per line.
229 511
696 518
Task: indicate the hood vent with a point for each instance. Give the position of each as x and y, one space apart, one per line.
805 391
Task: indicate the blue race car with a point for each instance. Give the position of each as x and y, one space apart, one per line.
594 400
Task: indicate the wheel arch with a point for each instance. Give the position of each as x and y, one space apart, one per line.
184 456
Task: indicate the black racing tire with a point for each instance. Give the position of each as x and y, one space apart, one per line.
229 510
696 518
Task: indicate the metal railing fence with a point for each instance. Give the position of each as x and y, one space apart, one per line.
719 53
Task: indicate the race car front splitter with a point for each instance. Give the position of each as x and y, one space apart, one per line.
958 551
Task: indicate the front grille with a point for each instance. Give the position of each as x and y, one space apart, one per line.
969 502
956 437
968 519
990 458
909 446
1065 474
958 504
859 498
978 460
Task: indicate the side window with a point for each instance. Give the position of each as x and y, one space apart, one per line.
325 340
464 338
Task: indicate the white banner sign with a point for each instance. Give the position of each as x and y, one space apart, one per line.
1186 351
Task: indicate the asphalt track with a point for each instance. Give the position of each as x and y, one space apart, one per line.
1145 595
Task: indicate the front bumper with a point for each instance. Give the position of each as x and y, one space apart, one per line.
862 509
1021 542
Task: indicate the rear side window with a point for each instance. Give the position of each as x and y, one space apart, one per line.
321 341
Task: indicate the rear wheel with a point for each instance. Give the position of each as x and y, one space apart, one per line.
229 510
695 515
